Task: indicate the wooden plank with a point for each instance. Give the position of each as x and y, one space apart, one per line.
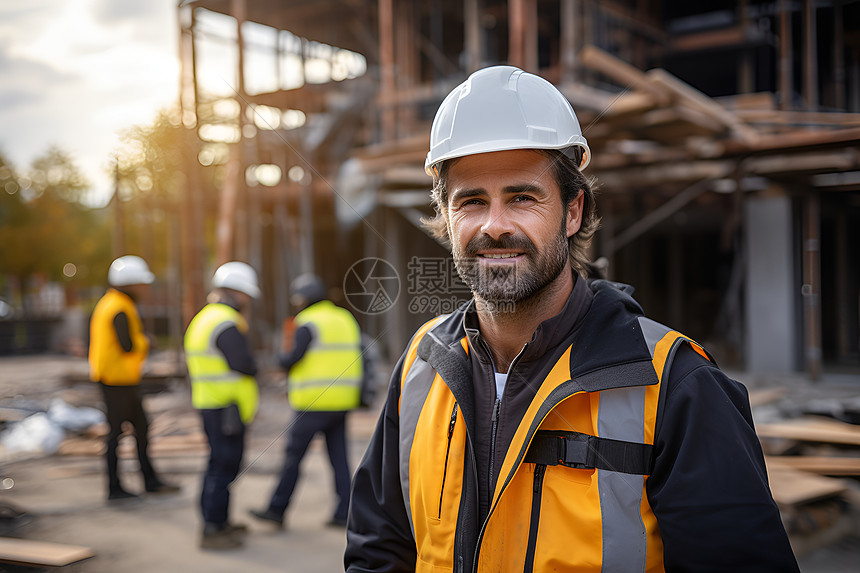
692 97
766 396
622 72
792 487
720 38
812 429
41 553
798 117
823 465
796 139
760 101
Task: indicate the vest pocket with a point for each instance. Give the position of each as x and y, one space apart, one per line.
534 520
451 425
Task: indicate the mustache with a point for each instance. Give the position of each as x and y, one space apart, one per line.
512 242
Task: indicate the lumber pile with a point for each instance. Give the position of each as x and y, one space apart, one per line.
812 462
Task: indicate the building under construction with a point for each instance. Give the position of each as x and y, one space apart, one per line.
725 141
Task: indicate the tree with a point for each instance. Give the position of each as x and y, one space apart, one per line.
45 226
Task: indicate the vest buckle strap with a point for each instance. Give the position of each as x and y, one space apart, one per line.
573 452
583 451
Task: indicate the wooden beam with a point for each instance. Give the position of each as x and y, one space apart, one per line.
786 79
690 96
472 35
522 34
810 56
619 180
620 71
786 141
674 123
793 487
387 85
570 19
655 217
812 162
811 288
799 118
724 37
812 429
824 465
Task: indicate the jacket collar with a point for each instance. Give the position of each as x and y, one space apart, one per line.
606 334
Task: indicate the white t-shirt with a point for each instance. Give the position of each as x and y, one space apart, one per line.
501 379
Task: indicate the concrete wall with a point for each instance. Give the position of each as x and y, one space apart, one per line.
771 325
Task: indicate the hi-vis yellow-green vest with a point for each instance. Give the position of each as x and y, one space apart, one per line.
109 363
328 377
213 384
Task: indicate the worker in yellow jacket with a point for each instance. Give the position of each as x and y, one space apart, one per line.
118 349
325 373
224 390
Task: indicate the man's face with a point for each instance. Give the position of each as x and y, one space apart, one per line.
507 223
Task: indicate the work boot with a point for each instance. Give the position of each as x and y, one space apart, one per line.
161 487
118 494
268 515
236 528
220 536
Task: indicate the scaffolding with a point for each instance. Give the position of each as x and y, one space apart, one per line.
746 119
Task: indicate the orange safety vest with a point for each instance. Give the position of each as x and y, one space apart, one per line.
571 493
109 363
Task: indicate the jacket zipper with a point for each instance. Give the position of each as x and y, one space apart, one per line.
447 453
496 408
540 470
487 520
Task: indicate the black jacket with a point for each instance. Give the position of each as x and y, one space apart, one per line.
708 489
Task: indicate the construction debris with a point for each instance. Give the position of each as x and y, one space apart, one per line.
41 553
804 455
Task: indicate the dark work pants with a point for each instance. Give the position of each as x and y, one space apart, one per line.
305 427
225 459
123 404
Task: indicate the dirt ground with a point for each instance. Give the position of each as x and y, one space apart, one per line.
64 496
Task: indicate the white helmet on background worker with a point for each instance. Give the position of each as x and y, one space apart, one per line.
129 270
237 276
501 108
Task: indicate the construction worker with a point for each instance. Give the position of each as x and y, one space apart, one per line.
223 388
118 349
324 383
548 425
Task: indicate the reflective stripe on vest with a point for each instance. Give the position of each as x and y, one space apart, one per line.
109 363
213 384
628 528
328 376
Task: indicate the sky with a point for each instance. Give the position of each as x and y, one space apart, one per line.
75 73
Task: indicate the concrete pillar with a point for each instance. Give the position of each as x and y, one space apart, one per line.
771 322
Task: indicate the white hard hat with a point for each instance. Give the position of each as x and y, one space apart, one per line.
129 270
501 108
237 276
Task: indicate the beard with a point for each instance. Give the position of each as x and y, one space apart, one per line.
518 282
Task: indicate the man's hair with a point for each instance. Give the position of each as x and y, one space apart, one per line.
569 179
